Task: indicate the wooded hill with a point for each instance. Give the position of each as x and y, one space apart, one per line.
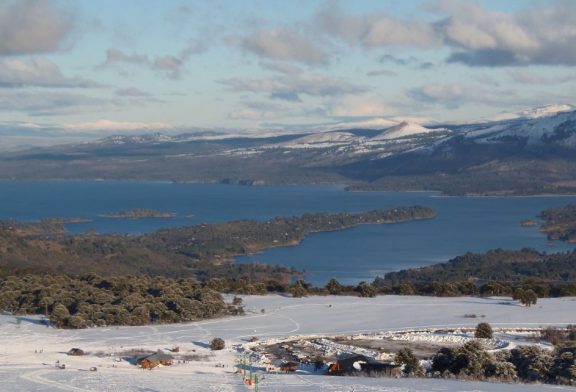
496 265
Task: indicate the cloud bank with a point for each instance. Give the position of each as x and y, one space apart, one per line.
469 31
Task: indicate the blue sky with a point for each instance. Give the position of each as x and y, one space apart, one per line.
130 65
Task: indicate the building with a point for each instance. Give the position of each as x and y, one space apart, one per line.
361 364
156 359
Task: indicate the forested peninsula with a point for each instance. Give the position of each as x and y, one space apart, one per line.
139 213
202 251
560 223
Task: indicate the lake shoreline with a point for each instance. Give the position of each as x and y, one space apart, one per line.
341 185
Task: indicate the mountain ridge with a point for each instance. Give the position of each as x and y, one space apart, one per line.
515 156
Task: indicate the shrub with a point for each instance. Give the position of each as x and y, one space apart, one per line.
366 290
334 287
217 344
407 358
443 359
471 360
300 289
483 331
59 316
526 297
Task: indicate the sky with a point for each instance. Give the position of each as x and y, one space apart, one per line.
107 66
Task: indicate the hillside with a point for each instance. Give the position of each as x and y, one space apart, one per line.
497 265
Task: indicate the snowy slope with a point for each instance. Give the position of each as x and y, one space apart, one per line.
536 112
406 129
137 139
558 128
321 140
24 368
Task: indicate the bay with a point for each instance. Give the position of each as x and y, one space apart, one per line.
463 223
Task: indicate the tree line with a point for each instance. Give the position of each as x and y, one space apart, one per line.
525 363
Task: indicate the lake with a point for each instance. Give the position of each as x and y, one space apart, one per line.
463 223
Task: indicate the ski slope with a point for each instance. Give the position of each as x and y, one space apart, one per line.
29 350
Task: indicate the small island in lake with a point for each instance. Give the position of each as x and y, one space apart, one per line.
139 213
528 223
62 220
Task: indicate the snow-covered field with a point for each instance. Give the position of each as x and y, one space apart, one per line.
29 350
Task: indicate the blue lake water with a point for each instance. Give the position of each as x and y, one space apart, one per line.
463 224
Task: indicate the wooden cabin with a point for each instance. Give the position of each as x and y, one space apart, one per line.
154 360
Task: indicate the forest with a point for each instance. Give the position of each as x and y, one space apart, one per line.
91 300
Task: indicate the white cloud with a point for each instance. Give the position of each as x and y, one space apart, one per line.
524 76
537 35
475 35
249 114
283 43
169 66
360 106
285 68
290 88
381 72
34 103
375 30
131 92
109 125
32 26
15 72
452 95
455 95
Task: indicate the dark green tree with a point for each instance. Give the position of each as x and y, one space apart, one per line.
217 344
483 331
366 290
411 364
334 287
59 316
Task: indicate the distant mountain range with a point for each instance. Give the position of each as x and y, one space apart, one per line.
531 151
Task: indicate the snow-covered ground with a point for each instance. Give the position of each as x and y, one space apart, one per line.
29 350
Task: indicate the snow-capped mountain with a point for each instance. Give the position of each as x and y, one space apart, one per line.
335 147
536 112
137 139
559 128
532 153
547 126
